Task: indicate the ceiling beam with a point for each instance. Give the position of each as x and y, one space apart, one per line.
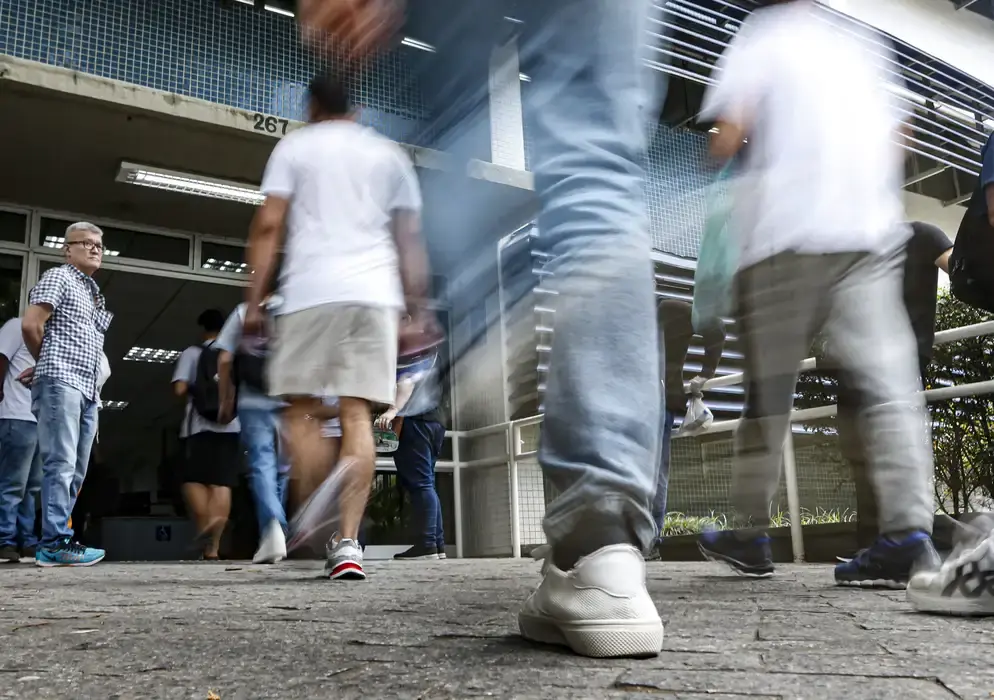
962 199
963 4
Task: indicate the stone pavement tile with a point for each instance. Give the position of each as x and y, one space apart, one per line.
973 685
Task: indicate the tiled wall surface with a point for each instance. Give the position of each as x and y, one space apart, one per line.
235 55
251 59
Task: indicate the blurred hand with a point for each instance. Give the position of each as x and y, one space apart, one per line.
226 411
359 27
253 324
697 385
27 376
385 421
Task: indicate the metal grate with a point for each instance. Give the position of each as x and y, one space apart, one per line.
235 55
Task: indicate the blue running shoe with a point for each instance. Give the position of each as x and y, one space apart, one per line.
888 563
68 553
751 558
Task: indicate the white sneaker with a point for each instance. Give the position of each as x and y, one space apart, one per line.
599 608
963 585
272 545
344 560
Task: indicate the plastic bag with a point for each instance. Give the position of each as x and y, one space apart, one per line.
716 262
699 417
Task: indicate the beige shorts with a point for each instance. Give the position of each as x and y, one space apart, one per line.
336 350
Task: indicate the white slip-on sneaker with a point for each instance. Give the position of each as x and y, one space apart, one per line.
963 585
599 608
272 545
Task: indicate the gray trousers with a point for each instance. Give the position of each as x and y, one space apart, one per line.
855 298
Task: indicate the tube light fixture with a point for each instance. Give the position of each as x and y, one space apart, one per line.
415 44
187 183
113 405
226 266
152 355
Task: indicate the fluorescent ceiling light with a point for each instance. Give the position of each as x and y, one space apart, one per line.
226 266
524 78
153 355
514 20
59 241
415 44
186 183
113 405
279 11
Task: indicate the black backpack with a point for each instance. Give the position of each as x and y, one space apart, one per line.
971 264
205 393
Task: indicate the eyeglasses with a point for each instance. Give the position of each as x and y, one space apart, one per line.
88 245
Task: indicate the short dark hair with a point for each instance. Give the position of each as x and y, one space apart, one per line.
330 95
211 320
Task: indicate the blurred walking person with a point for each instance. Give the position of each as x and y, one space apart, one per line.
347 204
20 463
241 372
592 99
818 219
63 329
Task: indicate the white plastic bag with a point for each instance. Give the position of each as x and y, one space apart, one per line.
699 417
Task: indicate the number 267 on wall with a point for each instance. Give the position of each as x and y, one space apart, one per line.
270 125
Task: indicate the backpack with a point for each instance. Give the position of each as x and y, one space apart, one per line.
205 394
971 264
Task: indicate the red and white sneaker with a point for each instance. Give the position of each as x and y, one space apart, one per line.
344 560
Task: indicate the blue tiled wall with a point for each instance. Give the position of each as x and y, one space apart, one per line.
235 55
251 59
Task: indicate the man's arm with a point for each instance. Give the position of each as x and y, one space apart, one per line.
714 344
33 327
405 389
227 342
413 258
265 238
186 367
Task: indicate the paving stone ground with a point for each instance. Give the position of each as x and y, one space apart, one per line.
448 630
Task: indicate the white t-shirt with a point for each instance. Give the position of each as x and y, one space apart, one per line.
186 371
16 404
823 170
344 182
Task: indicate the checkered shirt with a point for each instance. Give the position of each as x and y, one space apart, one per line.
74 334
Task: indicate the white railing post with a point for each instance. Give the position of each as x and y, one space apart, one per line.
513 443
793 498
457 490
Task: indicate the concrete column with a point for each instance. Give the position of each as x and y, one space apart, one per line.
507 123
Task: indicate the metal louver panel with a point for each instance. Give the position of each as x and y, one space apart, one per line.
950 112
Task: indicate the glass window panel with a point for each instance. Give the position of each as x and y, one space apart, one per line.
123 243
223 258
13 227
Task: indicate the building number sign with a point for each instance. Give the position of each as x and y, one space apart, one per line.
270 124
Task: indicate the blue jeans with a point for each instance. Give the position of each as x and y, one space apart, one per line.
420 444
592 101
662 472
67 424
260 430
20 481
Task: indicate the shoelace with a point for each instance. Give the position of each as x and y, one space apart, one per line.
73 547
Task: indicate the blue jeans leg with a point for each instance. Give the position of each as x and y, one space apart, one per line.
420 444
662 473
18 444
259 436
67 424
27 514
590 105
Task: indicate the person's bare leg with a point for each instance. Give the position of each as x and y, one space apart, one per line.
220 509
358 455
197 498
311 456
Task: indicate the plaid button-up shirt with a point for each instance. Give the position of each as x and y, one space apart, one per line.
74 333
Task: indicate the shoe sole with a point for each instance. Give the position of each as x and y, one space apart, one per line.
873 583
423 557
734 564
923 601
603 639
56 565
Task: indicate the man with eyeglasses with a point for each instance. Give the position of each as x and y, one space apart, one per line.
64 329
